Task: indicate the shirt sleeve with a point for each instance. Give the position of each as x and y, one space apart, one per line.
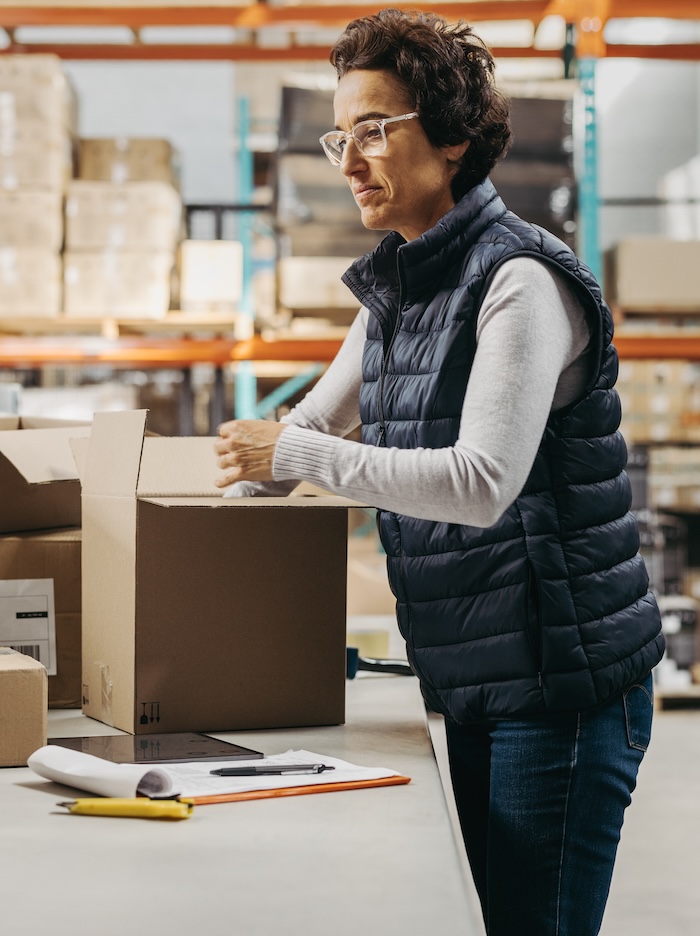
531 329
331 407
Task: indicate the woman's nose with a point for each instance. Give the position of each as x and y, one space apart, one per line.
352 157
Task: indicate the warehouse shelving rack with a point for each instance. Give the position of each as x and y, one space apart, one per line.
306 26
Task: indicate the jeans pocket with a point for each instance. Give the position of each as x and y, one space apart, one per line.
638 702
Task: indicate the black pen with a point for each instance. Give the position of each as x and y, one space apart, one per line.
270 770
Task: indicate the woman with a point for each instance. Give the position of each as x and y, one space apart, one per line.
481 370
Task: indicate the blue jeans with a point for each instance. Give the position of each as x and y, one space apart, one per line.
541 802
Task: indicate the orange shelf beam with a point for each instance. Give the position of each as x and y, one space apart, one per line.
639 347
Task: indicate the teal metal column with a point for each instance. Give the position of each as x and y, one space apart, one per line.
588 240
246 382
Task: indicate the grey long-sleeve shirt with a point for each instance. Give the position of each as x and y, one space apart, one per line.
532 357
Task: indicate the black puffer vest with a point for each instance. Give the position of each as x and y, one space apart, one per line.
549 608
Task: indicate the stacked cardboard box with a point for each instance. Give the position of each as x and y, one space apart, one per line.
129 159
660 401
313 286
40 550
38 121
654 275
22 707
673 478
123 225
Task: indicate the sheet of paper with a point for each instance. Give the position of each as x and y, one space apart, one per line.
105 778
95 775
196 779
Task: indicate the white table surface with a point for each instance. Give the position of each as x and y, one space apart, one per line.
373 861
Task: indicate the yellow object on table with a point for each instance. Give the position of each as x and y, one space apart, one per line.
138 808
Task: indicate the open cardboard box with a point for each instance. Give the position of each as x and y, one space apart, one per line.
38 479
204 613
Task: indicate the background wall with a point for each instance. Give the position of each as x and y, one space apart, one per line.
648 124
192 104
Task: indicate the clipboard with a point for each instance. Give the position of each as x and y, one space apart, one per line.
213 798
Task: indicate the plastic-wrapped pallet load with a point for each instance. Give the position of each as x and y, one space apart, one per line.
120 248
38 119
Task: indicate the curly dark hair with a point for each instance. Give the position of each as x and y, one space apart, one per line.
448 73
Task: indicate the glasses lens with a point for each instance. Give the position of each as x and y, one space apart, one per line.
334 143
369 136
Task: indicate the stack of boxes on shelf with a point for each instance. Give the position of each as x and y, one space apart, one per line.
654 276
38 126
119 222
123 225
661 417
660 401
40 580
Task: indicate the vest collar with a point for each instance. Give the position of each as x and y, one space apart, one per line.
374 279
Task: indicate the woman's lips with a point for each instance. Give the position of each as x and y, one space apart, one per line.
365 192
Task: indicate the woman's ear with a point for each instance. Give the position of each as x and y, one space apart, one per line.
455 152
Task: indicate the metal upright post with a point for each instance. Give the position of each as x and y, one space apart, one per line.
589 240
246 381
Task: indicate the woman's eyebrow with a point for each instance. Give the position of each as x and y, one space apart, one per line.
371 115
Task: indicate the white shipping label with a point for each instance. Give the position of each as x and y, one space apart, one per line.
28 619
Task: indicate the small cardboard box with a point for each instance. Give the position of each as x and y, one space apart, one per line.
312 283
38 477
52 555
204 613
23 707
211 275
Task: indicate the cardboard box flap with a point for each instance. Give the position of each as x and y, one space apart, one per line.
42 455
179 466
114 453
79 448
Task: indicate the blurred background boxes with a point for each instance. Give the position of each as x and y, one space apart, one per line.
313 286
117 283
210 275
31 218
660 401
130 216
655 274
38 122
23 707
129 159
30 282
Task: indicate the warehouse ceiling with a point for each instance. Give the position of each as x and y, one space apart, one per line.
281 30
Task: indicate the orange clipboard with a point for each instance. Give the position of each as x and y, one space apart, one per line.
296 790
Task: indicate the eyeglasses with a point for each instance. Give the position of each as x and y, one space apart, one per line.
369 137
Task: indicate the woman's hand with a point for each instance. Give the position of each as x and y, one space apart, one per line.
245 450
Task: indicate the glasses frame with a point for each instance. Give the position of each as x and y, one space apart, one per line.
381 122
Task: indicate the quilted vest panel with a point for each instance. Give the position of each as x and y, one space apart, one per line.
548 609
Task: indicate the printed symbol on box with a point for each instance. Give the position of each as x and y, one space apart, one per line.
150 712
86 694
